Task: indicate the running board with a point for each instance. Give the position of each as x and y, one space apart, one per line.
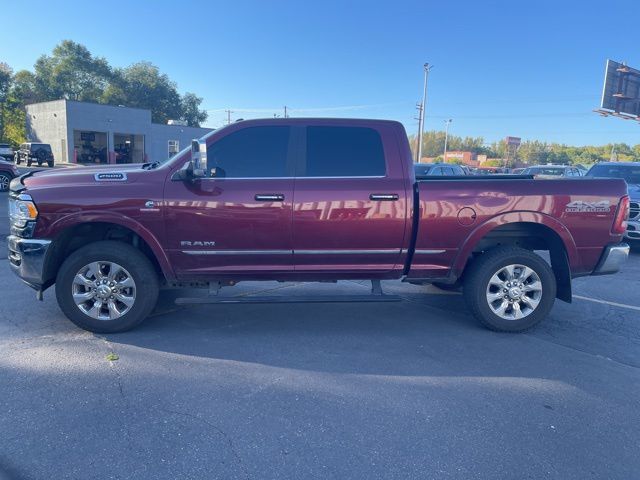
292 299
376 295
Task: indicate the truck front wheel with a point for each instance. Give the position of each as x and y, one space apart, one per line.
107 287
510 289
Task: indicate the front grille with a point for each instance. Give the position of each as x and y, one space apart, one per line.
634 211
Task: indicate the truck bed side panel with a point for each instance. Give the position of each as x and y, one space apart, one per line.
454 215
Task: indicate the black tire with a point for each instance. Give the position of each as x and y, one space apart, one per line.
50 163
29 161
136 264
481 271
16 159
5 179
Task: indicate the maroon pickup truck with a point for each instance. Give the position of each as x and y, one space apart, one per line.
307 200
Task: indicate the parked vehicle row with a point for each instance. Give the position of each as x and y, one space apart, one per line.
630 173
321 200
34 152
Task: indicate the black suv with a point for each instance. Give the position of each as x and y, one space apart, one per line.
30 152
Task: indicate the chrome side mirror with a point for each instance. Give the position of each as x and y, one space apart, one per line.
199 158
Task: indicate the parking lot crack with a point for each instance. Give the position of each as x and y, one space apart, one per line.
219 430
114 369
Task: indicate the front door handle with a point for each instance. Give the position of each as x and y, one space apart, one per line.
269 197
384 197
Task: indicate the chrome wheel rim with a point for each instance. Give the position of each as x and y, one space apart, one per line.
4 183
514 292
104 290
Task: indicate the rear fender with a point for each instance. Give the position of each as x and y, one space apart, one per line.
464 254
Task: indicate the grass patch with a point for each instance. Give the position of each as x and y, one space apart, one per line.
112 357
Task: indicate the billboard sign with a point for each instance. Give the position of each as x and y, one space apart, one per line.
513 141
621 90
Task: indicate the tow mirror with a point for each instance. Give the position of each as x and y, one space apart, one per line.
197 166
199 158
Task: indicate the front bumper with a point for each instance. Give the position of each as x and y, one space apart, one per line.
613 257
633 230
27 258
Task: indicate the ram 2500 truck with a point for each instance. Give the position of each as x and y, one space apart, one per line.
307 200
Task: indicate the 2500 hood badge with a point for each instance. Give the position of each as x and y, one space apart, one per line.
603 206
110 177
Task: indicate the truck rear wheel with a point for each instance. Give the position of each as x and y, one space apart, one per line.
510 289
107 287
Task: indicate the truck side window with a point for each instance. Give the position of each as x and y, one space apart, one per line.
251 152
344 152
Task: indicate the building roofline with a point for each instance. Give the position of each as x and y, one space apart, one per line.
65 100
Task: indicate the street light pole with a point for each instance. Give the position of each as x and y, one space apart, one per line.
427 67
446 138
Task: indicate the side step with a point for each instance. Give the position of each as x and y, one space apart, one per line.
292 299
376 296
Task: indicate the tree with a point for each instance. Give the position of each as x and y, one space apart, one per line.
191 112
6 77
71 72
141 85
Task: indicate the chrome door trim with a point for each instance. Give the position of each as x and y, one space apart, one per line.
289 252
429 252
348 252
238 252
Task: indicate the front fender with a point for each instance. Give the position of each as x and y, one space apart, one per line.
62 224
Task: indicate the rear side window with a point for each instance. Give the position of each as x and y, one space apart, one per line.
251 152
344 152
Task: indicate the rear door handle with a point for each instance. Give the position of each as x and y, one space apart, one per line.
384 197
269 197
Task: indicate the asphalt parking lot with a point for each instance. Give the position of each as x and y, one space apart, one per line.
414 389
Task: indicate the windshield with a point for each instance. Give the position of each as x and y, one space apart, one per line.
544 171
630 173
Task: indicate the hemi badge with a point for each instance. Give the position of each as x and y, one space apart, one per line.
110 177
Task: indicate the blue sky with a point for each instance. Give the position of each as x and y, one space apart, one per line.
523 68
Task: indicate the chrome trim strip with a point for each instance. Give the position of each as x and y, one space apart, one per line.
287 178
348 252
429 252
289 252
238 252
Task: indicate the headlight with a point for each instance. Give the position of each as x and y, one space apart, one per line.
22 210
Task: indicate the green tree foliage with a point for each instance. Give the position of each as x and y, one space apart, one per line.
191 112
6 77
530 152
142 85
73 73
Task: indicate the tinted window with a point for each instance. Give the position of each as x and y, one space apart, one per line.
344 152
630 173
251 152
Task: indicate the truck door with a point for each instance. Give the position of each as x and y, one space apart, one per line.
350 204
240 220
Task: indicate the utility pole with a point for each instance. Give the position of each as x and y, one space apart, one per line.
286 115
423 105
229 112
446 138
